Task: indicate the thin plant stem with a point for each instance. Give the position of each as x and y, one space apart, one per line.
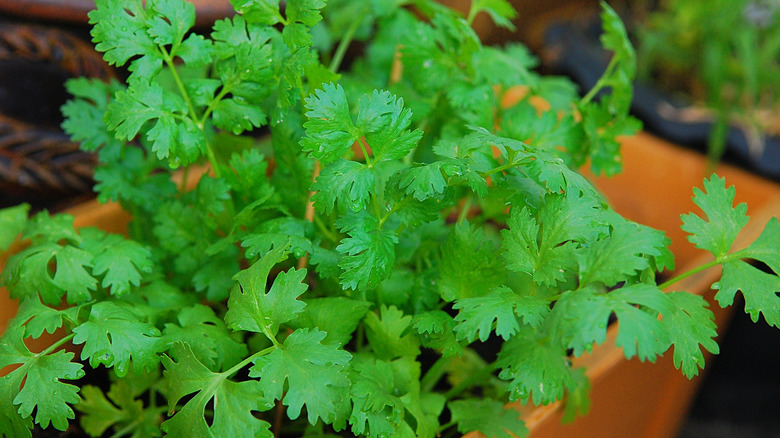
464 210
687 274
212 157
600 83
309 213
278 418
434 373
57 344
445 426
341 50
249 360
470 381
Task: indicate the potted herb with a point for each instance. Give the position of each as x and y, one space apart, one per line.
706 74
721 56
398 247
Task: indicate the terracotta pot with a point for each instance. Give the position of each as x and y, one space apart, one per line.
629 398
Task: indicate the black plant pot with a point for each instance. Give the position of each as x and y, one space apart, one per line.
573 49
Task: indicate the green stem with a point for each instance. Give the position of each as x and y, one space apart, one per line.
472 14
330 235
184 177
56 345
359 338
693 271
600 83
222 93
470 381
503 167
249 360
464 211
364 149
131 426
179 83
446 426
434 374
192 112
341 50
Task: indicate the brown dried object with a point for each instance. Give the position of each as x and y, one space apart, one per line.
38 162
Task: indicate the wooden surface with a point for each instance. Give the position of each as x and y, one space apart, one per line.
75 11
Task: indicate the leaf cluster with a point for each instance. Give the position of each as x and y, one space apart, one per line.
355 237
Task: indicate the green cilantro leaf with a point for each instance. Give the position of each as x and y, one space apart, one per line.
501 11
425 407
305 12
409 210
489 417
623 254
337 316
477 315
46 228
121 263
248 176
113 336
724 221
578 398
640 333
765 247
195 51
544 246
369 251
11 424
207 336
423 181
388 335
536 367
469 266
691 327
382 122
329 128
28 273
171 21
12 223
142 103
608 118
84 116
251 308
376 407
42 374
259 11
315 375
233 402
99 413
278 232
436 329
237 115
348 182
37 318
759 288
120 30
579 319
122 410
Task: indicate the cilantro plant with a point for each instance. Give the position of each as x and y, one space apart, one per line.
387 200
